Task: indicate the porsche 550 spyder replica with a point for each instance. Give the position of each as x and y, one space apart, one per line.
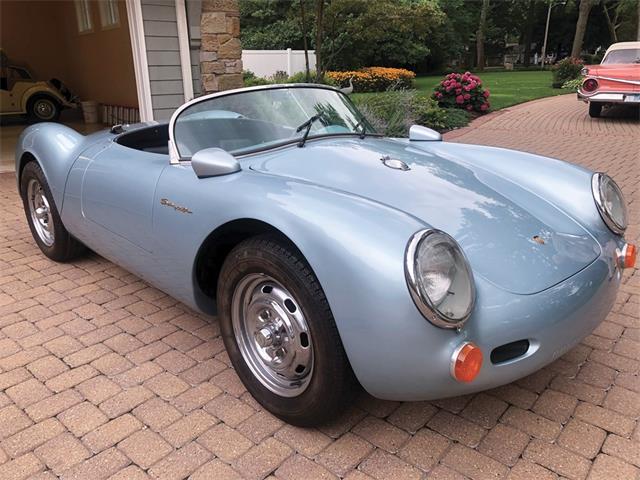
333 256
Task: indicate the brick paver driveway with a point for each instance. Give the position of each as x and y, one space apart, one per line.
103 375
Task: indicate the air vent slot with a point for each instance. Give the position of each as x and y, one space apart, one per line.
509 351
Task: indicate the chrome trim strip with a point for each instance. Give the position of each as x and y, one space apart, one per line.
423 302
596 179
621 80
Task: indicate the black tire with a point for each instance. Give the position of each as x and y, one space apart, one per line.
64 246
595 109
332 385
43 108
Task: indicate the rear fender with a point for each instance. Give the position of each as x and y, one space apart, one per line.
55 147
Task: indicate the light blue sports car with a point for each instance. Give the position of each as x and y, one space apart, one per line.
332 256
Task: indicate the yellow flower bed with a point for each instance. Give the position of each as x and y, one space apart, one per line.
374 79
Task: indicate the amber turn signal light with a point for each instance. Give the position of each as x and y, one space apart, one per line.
466 362
628 256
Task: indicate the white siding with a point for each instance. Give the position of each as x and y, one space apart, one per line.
163 57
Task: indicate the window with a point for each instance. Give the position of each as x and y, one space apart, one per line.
83 13
109 16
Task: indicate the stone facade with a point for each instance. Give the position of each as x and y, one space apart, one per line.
220 51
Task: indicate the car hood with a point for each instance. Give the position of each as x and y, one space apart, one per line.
513 238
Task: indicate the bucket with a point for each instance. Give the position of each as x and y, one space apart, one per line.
90 111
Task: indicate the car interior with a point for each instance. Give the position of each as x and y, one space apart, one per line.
193 135
153 139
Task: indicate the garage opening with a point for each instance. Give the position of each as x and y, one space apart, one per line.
59 55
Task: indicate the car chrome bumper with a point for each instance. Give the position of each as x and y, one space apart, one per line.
630 98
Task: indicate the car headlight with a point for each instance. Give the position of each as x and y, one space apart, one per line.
610 202
439 278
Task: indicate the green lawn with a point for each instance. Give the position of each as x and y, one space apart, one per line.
507 88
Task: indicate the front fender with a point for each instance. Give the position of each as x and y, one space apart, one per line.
355 247
55 147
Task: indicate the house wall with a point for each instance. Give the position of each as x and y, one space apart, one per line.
44 35
29 36
163 56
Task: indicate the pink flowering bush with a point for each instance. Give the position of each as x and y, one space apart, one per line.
462 90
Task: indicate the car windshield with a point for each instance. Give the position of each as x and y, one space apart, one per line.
253 120
627 55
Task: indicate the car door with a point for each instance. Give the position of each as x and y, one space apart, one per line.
117 192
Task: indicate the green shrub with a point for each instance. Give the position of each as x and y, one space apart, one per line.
392 113
251 80
572 84
593 59
565 70
301 77
279 77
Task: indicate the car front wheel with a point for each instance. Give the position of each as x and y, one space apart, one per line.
44 220
280 334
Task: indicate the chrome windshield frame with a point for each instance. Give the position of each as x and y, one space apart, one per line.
174 155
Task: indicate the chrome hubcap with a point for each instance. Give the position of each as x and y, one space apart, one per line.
40 212
44 109
272 335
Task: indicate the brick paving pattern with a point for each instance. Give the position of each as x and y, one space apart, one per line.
103 376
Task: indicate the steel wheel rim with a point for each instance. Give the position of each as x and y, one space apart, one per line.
272 334
44 109
40 212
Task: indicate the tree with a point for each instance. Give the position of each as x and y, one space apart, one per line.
480 36
612 23
528 32
303 28
320 64
581 26
638 34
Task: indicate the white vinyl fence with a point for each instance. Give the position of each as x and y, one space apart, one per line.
264 63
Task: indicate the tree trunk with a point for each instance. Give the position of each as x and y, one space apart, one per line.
611 24
638 34
581 27
480 35
303 28
528 32
320 67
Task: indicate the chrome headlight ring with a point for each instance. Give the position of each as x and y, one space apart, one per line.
610 202
444 311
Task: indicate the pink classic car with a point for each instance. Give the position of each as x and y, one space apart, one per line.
615 80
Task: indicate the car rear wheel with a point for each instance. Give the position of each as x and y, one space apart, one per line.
43 109
595 109
280 334
44 220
